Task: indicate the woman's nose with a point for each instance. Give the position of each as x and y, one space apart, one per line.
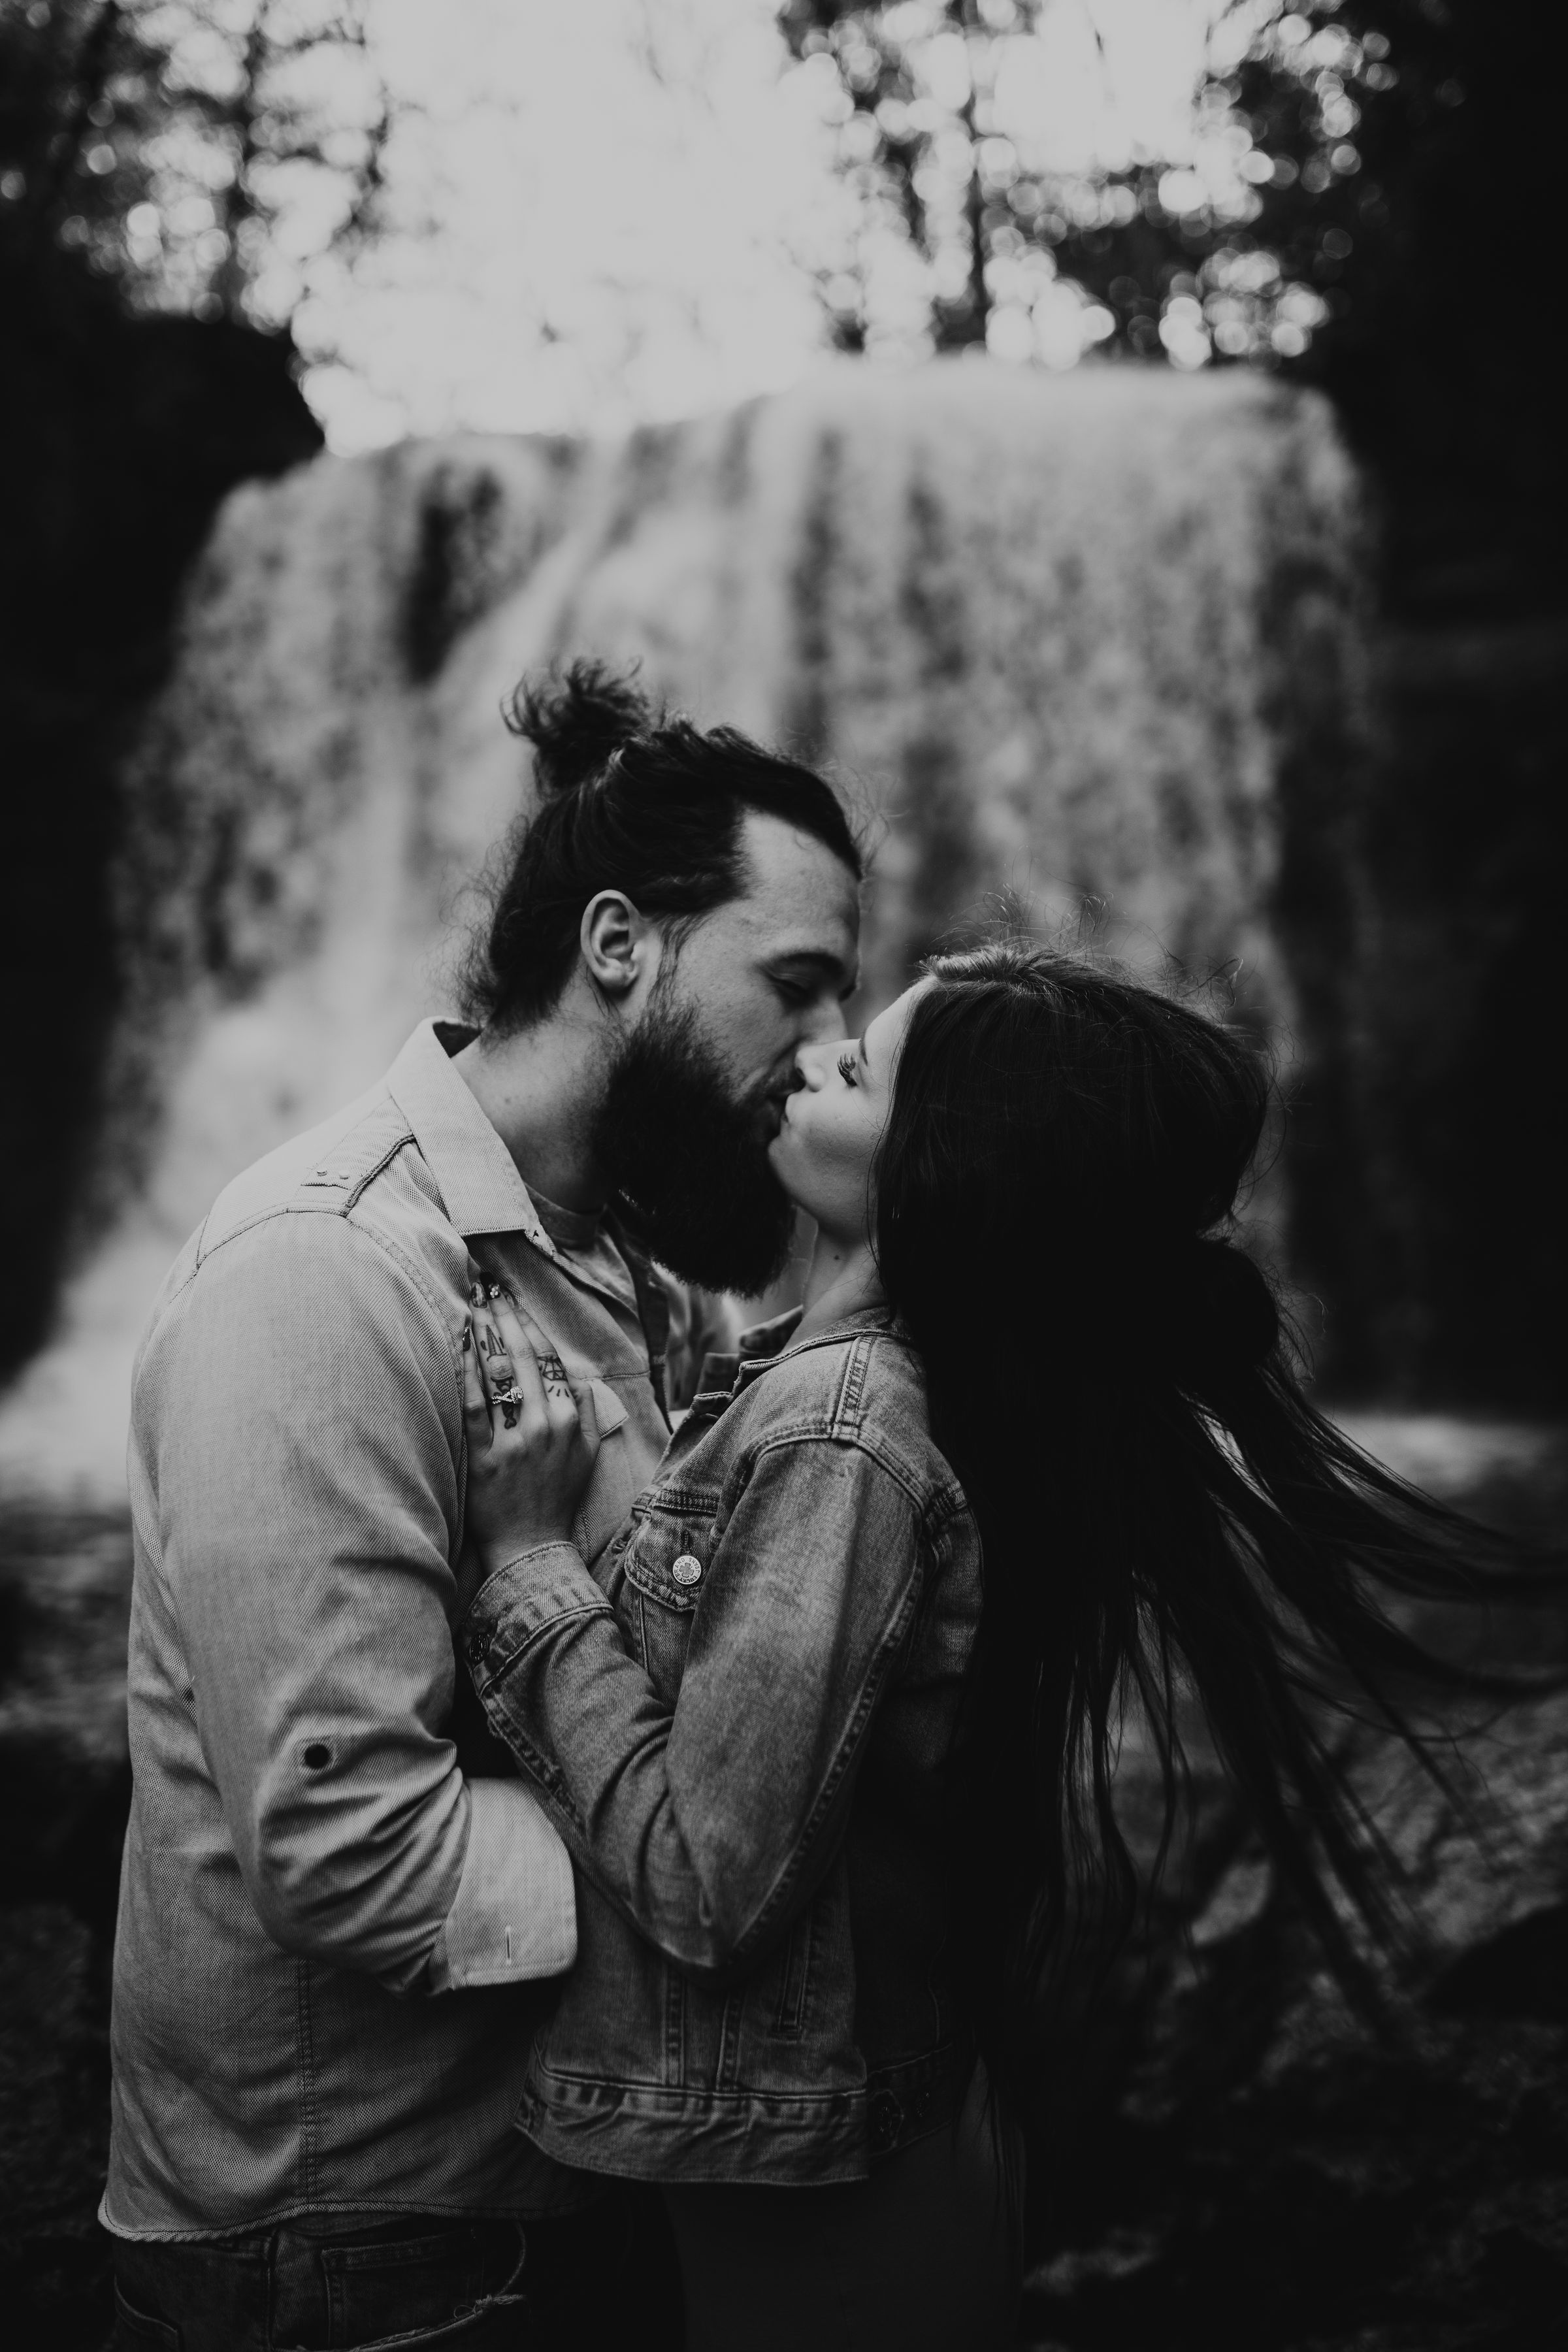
810 1065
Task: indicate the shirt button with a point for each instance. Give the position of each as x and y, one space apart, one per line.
475 1647
687 1570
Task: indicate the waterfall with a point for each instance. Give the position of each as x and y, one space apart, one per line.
1077 635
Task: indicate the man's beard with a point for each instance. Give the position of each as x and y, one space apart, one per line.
687 1159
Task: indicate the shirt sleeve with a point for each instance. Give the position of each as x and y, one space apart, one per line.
301 1425
710 1825
515 1916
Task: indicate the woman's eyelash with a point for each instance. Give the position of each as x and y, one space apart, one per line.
846 1069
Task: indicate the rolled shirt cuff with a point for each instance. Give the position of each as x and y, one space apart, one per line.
515 1918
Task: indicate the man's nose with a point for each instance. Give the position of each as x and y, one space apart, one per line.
824 1023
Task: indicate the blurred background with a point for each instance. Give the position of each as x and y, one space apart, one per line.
1120 441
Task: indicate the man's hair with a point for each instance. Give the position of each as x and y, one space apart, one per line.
630 799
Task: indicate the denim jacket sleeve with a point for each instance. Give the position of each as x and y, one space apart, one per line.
297 1423
709 1824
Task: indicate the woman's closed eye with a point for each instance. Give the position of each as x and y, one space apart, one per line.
846 1069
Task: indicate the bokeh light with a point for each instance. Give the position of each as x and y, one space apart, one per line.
499 214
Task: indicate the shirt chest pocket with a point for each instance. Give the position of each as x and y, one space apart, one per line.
664 1569
612 1488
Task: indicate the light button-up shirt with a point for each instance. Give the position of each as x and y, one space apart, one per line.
328 1930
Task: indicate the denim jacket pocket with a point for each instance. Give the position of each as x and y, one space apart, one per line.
664 1567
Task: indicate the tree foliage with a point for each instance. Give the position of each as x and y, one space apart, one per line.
1234 251
200 155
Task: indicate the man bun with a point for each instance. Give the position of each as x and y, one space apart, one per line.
577 720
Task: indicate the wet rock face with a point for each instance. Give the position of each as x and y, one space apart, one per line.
1236 2161
64 1788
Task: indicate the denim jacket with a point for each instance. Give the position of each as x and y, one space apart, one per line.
739 1726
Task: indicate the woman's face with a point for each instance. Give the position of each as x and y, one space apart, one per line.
832 1125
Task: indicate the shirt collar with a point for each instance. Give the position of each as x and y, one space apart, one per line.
474 1173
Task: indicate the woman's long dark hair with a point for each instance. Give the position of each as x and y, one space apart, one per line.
1156 1498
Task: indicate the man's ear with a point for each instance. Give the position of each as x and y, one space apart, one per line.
619 946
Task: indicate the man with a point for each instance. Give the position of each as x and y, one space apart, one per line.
328 1928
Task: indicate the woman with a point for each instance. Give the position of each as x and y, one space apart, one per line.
833 1748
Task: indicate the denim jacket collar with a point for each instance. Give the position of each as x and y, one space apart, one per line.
847 1327
764 1345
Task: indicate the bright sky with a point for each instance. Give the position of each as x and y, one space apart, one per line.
606 210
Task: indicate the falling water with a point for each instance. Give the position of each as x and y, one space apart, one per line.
1075 636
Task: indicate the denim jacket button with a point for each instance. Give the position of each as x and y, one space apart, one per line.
475 1647
687 1570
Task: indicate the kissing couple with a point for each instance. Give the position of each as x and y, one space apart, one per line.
616 1796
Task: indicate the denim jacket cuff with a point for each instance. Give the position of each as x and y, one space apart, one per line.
519 1601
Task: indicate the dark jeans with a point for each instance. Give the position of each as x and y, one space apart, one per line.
922 2256
601 2278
